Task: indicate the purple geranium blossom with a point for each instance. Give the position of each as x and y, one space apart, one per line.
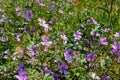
116 49
94 22
41 3
35 48
45 41
97 34
117 34
76 54
46 70
93 37
106 78
63 68
103 41
32 28
28 15
112 40
60 11
21 67
65 39
52 7
4 39
18 36
106 29
47 27
2 31
22 76
18 11
90 56
52 21
68 55
43 24
77 35
89 21
82 26
1 21
56 76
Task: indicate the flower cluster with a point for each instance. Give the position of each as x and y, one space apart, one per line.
22 74
46 26
68 55
46 42
58 40
28 15
116 49
90 56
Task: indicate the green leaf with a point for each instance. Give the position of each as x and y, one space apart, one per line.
47 77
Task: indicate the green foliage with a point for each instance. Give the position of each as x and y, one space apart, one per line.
75 13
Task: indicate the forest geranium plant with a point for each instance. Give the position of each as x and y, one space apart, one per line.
59 39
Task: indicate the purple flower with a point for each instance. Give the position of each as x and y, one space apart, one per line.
106 29
65 39
112 40
22 76
21 67
26 31
93 75
56 76
82 26
97 34
90 56
93 37
33 28
1 21
77 35
106 78
40 3
116 49
28 15
47 27
46 70
117 34
94 22
18 36
76 54
45 41
68 55
2 31
52 7
63 68
60 11
18 11
35 48
43 24
4 39
53 20
89 21
103 41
